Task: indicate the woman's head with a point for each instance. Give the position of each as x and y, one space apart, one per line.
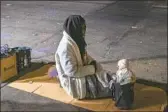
75 27
123 63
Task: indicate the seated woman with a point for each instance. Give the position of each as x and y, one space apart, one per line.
79 75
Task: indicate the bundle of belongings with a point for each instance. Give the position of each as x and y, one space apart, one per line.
14 60
52 73
5 51
8 63
23 55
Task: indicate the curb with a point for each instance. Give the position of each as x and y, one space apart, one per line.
134 59
162 86
160 6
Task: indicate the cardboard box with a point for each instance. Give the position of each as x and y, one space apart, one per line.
8 68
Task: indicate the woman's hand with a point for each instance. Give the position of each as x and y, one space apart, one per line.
94 64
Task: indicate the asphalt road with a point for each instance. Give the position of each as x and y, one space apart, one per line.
17 100
123 29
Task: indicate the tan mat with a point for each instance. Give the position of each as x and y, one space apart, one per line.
95 105
32 80
53 91
25 86
147 98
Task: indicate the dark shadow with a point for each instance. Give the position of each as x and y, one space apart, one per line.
34 66
31 70
162 86
40 76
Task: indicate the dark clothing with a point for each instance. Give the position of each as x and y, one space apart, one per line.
95 89
124 95
165 108
73 27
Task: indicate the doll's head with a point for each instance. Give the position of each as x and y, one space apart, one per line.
123 63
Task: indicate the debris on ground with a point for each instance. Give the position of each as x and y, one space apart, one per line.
8 4
30 82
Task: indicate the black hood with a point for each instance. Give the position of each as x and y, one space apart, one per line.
73 27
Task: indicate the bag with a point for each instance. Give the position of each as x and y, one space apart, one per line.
23 55
52 72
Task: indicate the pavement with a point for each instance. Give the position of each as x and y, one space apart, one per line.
24 101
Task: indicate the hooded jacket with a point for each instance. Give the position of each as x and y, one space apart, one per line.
71 71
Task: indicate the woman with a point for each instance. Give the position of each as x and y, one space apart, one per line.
80 76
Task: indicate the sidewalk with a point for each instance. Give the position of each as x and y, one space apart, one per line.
147 98
151 69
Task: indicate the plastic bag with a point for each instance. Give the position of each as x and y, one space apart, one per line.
52 72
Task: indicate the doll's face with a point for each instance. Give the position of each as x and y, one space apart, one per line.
122 64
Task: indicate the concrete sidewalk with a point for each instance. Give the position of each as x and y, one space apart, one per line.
39 89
